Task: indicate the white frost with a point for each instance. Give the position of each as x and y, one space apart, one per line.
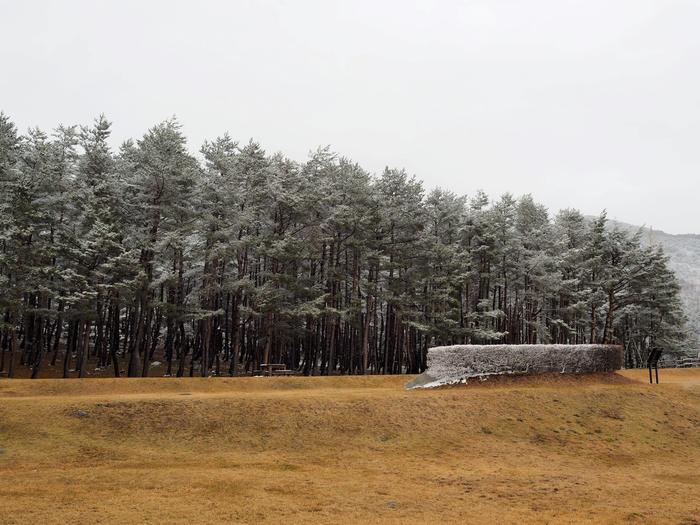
454 364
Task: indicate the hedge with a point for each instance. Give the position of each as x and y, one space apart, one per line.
458 363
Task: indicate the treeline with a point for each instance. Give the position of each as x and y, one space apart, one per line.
216 264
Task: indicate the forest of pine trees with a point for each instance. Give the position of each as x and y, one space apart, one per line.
212 264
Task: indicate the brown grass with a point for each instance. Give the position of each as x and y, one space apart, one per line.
557 449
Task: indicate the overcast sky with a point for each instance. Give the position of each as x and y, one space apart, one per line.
587 104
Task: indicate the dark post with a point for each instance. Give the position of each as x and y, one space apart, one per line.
656 367
653 361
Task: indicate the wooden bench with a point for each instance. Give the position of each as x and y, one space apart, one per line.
270 368
285 372
274 369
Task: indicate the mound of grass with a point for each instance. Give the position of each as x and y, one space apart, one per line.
604 448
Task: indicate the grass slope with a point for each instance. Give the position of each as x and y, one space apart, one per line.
607 449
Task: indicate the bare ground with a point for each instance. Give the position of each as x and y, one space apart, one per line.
554 449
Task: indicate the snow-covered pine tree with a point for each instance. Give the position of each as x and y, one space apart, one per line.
147 254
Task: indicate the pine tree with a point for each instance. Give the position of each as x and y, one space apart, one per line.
216 267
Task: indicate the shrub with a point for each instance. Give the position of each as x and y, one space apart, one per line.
455 364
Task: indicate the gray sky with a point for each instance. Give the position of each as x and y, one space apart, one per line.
588 104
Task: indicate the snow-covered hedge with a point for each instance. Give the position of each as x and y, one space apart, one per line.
456 364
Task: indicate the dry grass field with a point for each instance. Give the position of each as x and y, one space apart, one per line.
600 449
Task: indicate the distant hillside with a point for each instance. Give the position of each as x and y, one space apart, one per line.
684 251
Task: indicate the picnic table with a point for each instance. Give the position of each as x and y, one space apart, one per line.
273 369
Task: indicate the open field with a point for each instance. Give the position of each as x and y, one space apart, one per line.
601 449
